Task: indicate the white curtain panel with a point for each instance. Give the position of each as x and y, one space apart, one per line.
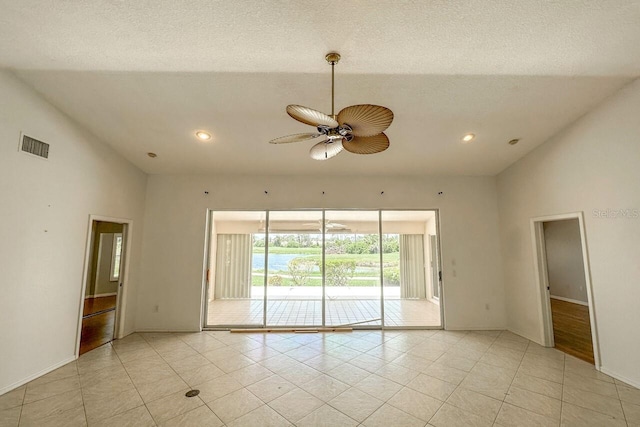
412 280
233 266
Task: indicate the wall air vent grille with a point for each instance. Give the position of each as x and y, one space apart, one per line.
35 147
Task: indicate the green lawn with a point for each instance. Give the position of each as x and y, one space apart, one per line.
283 250
310 252
368 264
313 282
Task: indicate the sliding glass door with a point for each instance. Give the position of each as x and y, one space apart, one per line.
294 279
311 268
236 274
410 293
352 268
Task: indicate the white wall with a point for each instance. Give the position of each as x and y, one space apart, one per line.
592 166
565 266
174 238
45 207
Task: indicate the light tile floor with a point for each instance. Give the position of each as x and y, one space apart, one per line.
364 378
289 312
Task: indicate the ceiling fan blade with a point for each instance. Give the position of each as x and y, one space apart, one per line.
309 116
335 225
366 119
298 137
325 150
367 145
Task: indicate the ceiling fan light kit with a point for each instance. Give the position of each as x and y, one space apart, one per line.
357 129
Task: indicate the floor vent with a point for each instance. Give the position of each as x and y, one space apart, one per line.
35 147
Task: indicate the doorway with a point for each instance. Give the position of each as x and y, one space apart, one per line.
563 272
322 268
104 280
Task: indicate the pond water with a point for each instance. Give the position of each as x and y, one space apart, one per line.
276 261
280 262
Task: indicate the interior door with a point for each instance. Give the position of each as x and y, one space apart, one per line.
435 266
118 264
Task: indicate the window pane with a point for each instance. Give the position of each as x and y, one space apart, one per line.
235 291
410 290
294 283
352 268
115 257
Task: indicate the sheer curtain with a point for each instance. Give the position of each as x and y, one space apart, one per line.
233 266
412 280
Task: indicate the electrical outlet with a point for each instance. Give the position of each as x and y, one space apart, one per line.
486 306
156 308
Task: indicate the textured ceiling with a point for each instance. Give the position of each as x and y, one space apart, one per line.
510 37
144 75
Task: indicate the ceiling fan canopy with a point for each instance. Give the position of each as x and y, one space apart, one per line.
358 129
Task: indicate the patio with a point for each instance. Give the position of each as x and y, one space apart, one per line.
302 306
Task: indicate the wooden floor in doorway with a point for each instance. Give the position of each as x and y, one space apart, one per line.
572 329
98 320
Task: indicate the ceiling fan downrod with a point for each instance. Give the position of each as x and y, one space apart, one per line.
332 58
342 131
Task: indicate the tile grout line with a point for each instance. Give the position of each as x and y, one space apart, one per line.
457 385
229 373
24 396
84 407
512 379
624 413
134 384
564 372
599 394
535 392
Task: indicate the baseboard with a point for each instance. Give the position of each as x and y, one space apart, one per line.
36 375
574 301
474 328
535 340
632 383
124 335
168 331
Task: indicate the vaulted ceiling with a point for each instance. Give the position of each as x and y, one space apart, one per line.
143 76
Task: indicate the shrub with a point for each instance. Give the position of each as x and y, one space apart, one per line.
391 276
275 280
340 271
300 270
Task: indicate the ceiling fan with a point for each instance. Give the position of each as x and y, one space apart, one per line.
357 129
328 225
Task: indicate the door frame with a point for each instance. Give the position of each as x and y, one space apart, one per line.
206 266
121 299
434 269
542 279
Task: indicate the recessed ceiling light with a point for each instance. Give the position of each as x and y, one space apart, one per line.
202 135
514 141
468 137
152 155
